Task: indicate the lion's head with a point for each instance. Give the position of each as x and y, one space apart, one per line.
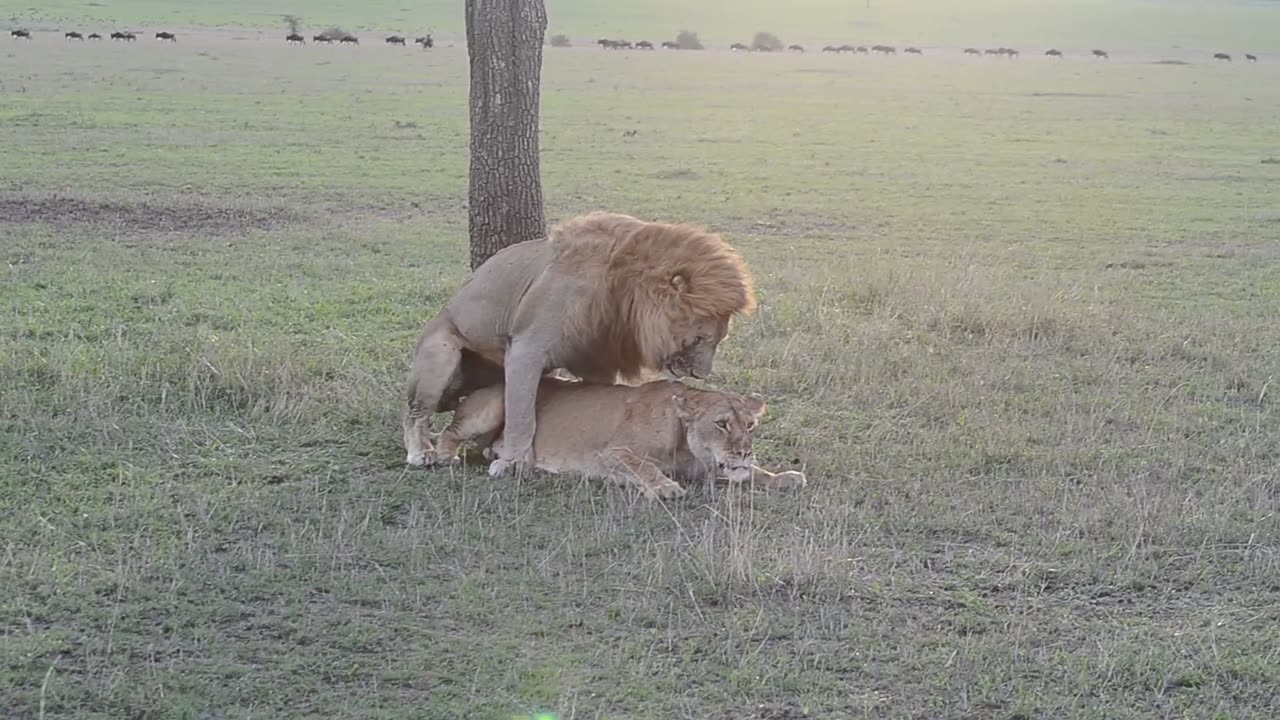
719 428
668 292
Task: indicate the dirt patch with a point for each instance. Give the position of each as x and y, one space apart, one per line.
141 217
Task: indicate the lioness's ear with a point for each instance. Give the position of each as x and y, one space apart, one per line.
755 405
682 410
680 283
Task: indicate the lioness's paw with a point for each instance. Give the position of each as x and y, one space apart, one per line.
788 479
418 459
669 489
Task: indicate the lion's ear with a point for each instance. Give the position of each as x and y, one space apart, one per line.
755 405
680 283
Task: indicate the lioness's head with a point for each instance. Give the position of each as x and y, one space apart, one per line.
720 429
697 339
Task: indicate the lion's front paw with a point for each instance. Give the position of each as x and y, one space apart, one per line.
418 459
500 467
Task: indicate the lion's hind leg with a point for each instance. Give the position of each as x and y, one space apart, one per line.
435 370
478 420
625 466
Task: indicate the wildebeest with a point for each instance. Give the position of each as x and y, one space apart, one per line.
1250 57
95 36
993 51
739 46
644 45
972 51
321 38
1101 54
126 36
1222 56
830 48
295 38
913 51
1010 52
73 35
26 34
349 40
861 49
167 36
670 45
1053 53
796 48
395 40
885 49
425 41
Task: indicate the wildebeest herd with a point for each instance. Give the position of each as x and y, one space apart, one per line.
1011 53
426 42
292 38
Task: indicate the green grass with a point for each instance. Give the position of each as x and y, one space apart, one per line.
1017 324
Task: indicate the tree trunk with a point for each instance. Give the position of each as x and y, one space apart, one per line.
504 41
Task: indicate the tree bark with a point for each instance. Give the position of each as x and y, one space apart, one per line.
504 42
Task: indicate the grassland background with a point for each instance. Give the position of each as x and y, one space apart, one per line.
1156 24
1017 323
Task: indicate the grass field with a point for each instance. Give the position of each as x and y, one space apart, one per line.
1018 325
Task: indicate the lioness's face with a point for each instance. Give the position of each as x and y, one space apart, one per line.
699 339
720 429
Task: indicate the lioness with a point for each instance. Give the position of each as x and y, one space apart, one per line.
606 296
632 434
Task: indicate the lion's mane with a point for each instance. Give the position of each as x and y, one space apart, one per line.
644 279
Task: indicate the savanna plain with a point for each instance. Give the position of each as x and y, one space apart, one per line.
1018 325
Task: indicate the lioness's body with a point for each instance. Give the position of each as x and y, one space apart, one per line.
645 435
605 296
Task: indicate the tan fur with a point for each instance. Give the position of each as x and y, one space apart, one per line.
605 297
642 435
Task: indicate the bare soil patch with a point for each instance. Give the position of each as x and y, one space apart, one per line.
141 216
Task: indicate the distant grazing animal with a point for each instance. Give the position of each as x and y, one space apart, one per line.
73 35
831 48
125 36
425 41
322 38
1101 54
972 51
1222 56
739 46
349 40
605 296
638 435
846 49
885 49
644 45
296 38
993 51
1010 52
1251 58
167 36
796 48
395 40
913 51
860 49
95 36
25 34
670 45
1053 53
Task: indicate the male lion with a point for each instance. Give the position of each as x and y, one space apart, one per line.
631 434
606 296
